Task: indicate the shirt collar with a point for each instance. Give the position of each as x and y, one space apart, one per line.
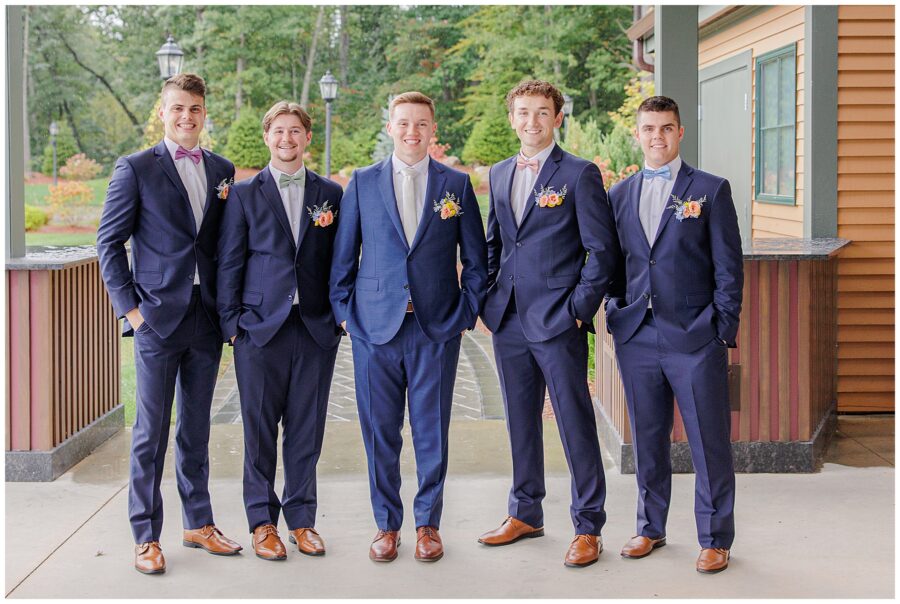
172 146
276 173
674 166
542 155
421 167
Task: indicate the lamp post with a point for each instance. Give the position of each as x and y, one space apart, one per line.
54 130
170 58
567 112
328 86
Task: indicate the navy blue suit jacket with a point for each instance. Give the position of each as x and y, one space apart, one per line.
147 203
370 291
694 271
561 259
260 265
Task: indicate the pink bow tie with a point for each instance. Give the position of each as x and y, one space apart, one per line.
193 155
522 163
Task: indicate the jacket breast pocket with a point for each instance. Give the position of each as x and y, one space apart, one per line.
702 299
251 298
367 284
148 277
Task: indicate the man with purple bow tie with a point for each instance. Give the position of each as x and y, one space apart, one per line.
168 200
552 252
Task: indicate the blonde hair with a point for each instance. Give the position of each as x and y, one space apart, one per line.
282 107
411 97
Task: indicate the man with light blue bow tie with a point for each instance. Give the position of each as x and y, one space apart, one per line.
275 254
673 322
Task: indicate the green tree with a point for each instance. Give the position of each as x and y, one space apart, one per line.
492 139
246 147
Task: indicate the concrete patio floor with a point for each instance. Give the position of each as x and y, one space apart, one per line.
823 535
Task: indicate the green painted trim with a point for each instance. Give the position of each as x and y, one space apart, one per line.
790 49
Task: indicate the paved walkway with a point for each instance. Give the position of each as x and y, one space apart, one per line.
475 397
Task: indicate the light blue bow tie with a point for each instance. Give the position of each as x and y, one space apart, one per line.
664 172
299 179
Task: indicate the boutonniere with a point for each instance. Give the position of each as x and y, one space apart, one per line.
687 208
224 187
550 198
449 206
321 216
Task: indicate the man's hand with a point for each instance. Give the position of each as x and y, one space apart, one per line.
135 318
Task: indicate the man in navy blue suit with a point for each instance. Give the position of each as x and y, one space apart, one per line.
275 254
405 306
169 201
552 252
673 322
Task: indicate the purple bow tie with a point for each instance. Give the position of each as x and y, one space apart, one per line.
193 155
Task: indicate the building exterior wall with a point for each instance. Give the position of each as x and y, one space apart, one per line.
866 200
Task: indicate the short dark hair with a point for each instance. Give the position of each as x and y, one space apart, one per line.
536 88
659 104
189 82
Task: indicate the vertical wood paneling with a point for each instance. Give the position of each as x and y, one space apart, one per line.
41 358
794 340
18 408
745 342
784 351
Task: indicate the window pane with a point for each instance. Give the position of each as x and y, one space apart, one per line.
769 180
769 94
787 94
786 163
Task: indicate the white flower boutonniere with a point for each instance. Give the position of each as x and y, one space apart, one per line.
687 208
449 206
548 197
224 187
321 216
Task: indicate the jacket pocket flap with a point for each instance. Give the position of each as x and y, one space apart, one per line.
562 281
251 298
148 277
368 284
699 299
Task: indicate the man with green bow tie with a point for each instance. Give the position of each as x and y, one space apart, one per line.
275 249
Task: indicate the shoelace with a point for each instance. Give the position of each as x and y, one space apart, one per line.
381 533
427 531
268 529
143 547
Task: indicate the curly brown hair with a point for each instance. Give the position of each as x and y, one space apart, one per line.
535 88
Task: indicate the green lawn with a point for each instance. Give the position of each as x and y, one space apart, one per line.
61 238
35 194
483 202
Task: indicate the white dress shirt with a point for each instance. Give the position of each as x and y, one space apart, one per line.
292 197
421 168
193 177
524 183
656 194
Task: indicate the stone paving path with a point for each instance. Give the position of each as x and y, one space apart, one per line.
476 395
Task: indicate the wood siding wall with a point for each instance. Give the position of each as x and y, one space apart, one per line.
764 32
62 355
866 200
785 356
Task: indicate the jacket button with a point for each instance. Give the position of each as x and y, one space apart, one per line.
646 296
519 244
406 286
510 277
290 296
655 296
653 262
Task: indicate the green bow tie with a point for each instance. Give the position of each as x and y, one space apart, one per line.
299 179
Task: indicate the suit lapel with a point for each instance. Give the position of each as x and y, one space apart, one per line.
211 183
273 198
543 178
310 198
633 206
682 182
389 197
503 202
433 192
165 161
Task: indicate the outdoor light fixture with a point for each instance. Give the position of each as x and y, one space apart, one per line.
328 86
170 57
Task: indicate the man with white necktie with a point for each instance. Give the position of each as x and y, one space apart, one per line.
168 200
275 252
396 290
552 253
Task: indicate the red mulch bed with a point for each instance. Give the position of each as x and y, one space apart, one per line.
55 228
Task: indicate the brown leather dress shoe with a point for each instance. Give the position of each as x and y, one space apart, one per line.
641 547
267 544
712 560
211 539
308 541
149 559
509 532
429 547
584 551
384 546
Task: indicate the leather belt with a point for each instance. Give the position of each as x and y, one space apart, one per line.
409 306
